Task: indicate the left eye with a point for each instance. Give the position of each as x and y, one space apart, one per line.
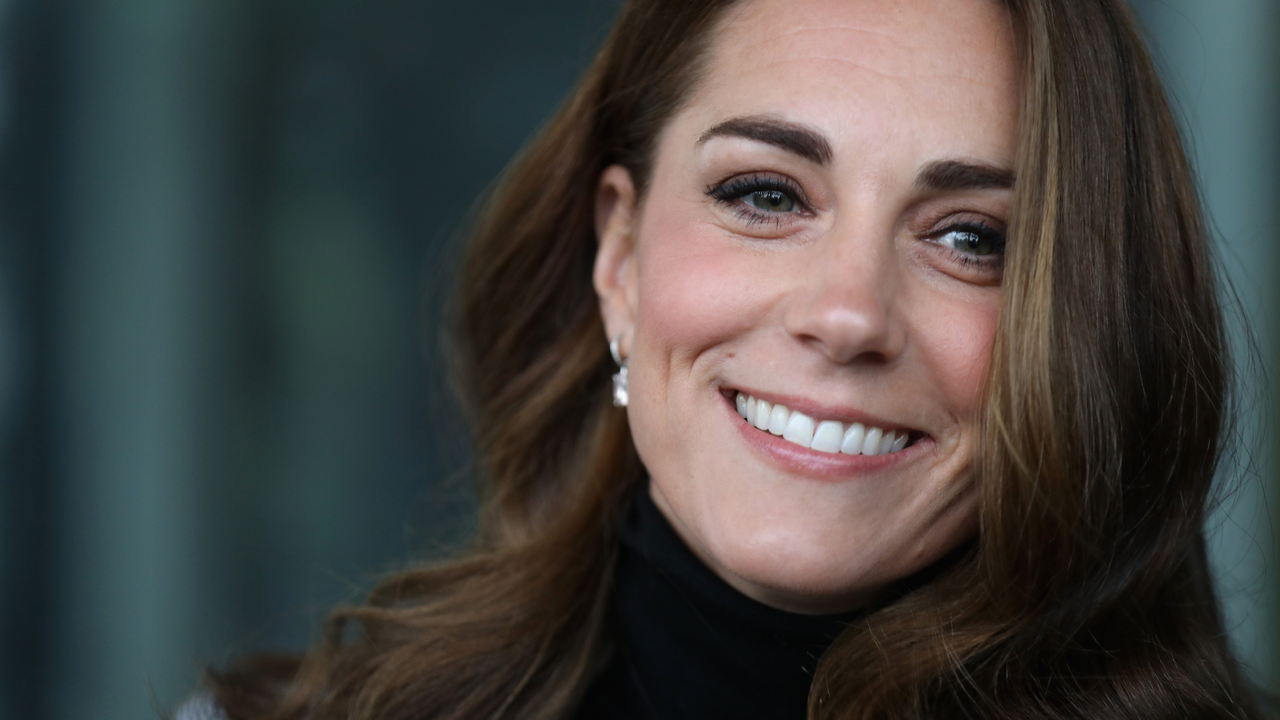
770 201
977 240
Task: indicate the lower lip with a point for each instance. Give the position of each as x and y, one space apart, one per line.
815 463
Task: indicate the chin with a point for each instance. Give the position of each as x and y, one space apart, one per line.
810 566
802 568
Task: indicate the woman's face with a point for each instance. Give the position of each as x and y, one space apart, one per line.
823 232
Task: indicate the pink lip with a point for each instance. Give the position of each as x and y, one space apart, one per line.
813 463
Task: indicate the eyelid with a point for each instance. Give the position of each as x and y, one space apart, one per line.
940 221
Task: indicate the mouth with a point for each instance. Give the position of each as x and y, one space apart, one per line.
823 435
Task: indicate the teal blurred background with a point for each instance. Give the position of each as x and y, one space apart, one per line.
227 229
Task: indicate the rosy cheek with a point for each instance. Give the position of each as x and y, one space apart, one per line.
696 288
958 346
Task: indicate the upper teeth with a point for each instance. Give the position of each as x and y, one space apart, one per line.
828 435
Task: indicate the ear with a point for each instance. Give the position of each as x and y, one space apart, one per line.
615 276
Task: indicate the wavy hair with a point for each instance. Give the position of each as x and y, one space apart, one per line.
1086 593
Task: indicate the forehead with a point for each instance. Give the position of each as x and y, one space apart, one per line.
933 77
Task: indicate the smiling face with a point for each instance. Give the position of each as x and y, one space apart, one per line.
823 231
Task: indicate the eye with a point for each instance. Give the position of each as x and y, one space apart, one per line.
770 201
975 239
760 198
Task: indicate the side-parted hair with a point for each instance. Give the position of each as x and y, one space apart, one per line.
1087 592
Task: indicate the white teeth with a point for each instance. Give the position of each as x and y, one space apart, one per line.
829 436
799 429
852 443
778 419
762 414
871 446
899 443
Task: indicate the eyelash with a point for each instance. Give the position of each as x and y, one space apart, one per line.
730 192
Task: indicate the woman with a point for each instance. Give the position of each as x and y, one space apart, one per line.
871 459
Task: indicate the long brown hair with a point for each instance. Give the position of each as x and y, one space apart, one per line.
1087 592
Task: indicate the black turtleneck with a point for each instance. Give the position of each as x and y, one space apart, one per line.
687 645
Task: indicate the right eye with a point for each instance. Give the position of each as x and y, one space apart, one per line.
760 198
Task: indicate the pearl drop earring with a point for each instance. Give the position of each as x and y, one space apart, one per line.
620 396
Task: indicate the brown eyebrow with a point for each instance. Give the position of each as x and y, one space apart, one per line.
939 176
792 137
957 175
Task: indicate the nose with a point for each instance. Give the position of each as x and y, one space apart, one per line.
845 307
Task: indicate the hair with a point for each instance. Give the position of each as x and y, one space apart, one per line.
1087 592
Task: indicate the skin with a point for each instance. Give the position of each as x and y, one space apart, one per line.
852 301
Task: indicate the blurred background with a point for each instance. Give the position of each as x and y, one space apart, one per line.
226 235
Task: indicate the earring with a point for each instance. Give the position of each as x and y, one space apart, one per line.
620 396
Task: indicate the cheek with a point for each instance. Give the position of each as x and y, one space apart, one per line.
695 290
957 338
